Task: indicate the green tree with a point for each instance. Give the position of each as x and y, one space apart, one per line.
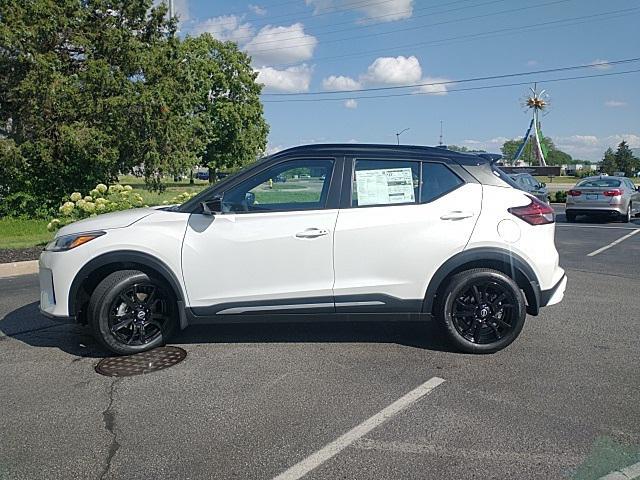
609 163
553 157
625 160
90 89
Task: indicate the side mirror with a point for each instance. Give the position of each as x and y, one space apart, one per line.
212 207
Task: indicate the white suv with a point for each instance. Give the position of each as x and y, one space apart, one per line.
330 229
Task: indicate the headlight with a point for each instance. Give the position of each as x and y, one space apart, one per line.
67 242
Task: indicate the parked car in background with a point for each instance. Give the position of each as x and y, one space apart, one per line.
380 229
202 175
527 183
603 195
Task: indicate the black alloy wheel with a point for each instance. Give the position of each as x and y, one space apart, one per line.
139 314
130 312
483 310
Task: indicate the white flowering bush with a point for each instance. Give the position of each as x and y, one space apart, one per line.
102 199
181 198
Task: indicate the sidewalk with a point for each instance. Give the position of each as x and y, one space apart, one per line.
18 268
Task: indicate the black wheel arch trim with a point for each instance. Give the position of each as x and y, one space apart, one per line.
125 257
474 258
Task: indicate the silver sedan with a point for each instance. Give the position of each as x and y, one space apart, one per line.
604 195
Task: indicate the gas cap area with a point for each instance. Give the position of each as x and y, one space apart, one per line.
509 231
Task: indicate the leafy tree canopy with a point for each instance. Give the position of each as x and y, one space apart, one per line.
93 88
554 155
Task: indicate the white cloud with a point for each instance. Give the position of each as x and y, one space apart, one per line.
386 11
393 71
271 149
281 45
434 89
592 147
225 27
492 145
532 63
601 64
580 147
351 103
293 79
257 9
180 8
340 83
614 103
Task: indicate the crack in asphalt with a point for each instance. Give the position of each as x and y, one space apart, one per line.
109 419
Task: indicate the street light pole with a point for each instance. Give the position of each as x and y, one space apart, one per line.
170 9
400 133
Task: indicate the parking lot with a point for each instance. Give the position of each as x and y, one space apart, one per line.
330 399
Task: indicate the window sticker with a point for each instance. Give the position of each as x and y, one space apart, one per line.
385 186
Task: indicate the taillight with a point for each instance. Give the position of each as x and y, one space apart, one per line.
574 193
536 213
612 193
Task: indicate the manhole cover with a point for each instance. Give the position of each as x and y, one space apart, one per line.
141 363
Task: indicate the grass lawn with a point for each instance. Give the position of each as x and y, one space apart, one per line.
571 180
23 232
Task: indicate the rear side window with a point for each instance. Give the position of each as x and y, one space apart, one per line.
437 180
385 182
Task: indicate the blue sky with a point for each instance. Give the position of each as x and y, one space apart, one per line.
318 45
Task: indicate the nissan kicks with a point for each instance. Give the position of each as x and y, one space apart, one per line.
318 229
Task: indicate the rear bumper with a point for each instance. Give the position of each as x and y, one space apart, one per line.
555 294
604 210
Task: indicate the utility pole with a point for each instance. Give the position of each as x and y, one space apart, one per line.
441 133
170 9
400 133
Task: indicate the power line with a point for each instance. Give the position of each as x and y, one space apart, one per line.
260 50
373 25
440 42
482 87
352 7
466 80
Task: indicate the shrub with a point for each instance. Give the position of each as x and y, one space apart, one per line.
561 196
102 199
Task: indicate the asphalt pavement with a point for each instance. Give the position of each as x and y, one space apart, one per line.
257 401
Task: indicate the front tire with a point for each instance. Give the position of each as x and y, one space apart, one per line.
130 312
482 310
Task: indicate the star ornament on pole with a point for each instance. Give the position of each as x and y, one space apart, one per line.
537 103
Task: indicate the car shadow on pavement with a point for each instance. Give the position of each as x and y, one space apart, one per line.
424 335
27 325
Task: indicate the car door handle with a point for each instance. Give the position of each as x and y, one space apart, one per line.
456 215
312 233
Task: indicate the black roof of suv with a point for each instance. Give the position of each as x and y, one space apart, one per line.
390 151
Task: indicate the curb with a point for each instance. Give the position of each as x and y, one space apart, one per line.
18 268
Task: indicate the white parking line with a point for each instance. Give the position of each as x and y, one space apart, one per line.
612 244
316 459
596 226
627 473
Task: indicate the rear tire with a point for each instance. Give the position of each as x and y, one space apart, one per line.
571 217
481 310
130 312
626 217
